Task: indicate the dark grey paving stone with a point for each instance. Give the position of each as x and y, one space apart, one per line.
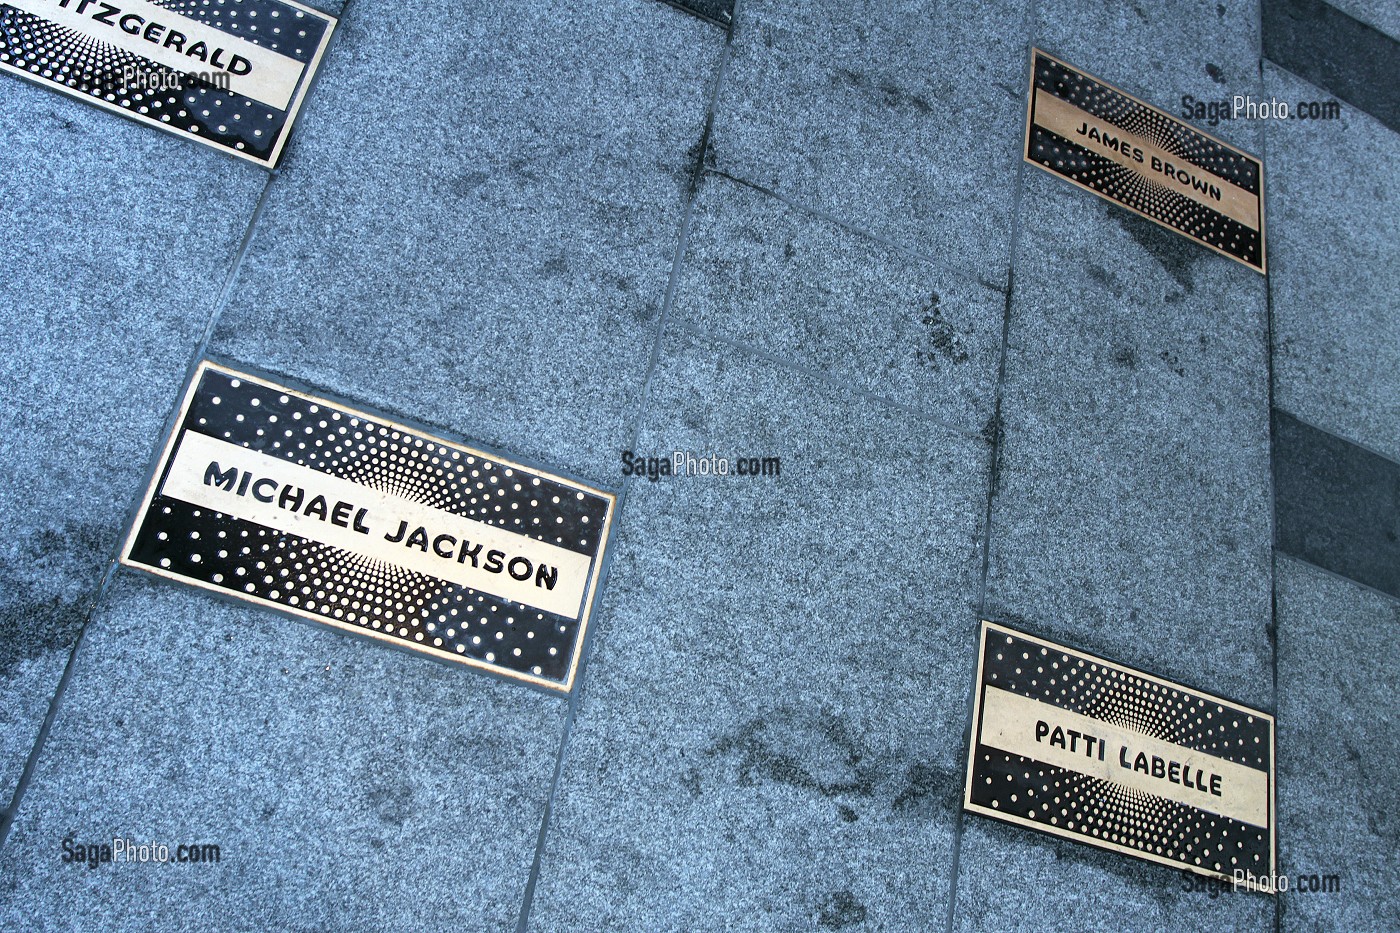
1343 55
896 118
769 734
478 232
1382 14
807 290
1338 735
116 240
1337 504
348 786
1131 517
1334 270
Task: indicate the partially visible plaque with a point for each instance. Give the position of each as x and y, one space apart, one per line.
1070 744
288 500
1129 152
229 73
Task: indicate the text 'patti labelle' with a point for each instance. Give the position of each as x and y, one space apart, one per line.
1152 765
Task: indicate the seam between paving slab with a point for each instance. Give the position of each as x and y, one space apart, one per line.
820 214
1273 483
672 283
993 471
36 750
1028 30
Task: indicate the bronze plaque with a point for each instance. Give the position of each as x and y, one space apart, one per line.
1079 747
231 74
1144 159
290 500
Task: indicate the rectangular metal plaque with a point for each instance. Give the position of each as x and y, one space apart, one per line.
1144 159
229 73
1079 747
289 500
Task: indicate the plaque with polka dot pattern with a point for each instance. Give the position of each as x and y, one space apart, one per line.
176 64
1070 744
346 517
1142 158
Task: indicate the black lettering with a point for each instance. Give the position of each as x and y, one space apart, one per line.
510 568
129 18
175 40
68 851
1042 729
199 50
316 508
493 561
546 576
418 539
264 481
1174 772
289 501
214 59
1215 785
243 484
234 64
156 28
340 515
1186 101
468 551
107 10
360 525
439 551
224 479
1058 737
403 527
1159 767
1140 762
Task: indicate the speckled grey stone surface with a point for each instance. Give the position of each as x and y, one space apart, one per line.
899 118
348 786
1160 52
1338 737
770 733
1131 517
116 241
1132 506
1335 277
1131 514
808 291
477 231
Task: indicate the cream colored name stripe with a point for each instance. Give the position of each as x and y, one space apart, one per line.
1064 119
1023 726
167 38
376 524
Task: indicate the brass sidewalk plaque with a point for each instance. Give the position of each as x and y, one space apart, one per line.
230 73
292 501
1144 159
1073 745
